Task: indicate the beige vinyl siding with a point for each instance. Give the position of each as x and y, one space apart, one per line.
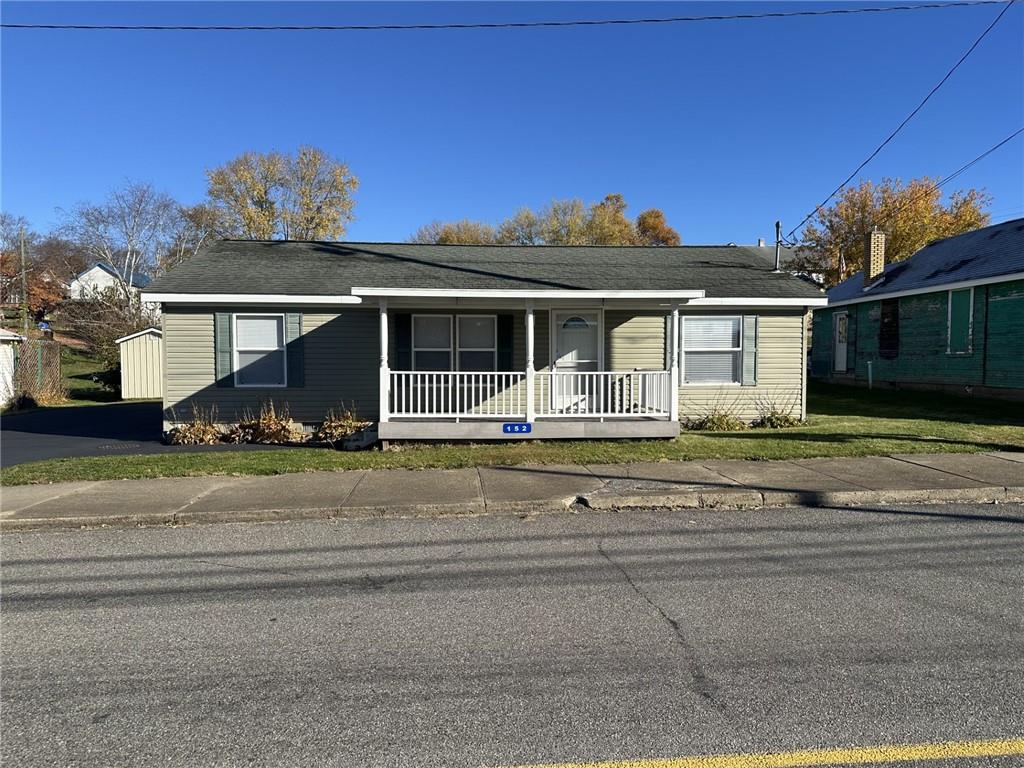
634 340
780 371
142 367
342 358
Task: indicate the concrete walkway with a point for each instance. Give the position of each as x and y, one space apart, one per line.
516 490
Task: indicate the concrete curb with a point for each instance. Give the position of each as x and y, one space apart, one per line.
599 501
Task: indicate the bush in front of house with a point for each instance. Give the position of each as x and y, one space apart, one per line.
273 425
338 425
201 429
773 414
717 419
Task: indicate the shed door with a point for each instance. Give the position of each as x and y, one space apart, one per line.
840 329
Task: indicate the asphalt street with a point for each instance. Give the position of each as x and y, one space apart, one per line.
506 641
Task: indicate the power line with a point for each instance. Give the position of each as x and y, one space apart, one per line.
942 182
906 120
490 25
937 185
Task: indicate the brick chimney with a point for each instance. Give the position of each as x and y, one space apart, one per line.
874 255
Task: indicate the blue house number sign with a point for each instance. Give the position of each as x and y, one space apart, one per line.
516 428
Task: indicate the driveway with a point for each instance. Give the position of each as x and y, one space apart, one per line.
90 430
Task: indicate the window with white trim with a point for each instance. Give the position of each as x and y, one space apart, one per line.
260 351
712 350
478 342
432 342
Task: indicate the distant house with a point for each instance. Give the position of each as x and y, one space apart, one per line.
98 278
950 317
476 342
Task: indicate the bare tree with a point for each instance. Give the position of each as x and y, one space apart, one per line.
191 228
127 232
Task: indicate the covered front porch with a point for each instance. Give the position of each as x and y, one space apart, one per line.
501 366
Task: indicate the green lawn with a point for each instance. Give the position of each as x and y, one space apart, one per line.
77 369
843 422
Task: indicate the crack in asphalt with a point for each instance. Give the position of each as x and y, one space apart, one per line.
703 685
244 567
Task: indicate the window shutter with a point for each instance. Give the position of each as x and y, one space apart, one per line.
403 342
505 342
295 349
222 346
749 350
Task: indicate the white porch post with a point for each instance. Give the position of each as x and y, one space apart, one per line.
674 358
530 369
385 372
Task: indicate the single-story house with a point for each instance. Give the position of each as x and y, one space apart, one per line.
950 317
484 342
98 278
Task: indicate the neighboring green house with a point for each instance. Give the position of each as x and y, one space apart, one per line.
951 317
473 342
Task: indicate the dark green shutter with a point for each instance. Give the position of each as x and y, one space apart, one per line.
505 342
295 349
749 350
403 342
960 312
223 349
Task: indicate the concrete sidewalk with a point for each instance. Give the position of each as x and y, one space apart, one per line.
516 490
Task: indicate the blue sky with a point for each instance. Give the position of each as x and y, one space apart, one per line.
726 126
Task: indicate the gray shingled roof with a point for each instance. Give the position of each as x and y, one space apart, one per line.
983 253
331 268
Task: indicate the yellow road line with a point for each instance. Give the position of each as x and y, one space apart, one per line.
894 753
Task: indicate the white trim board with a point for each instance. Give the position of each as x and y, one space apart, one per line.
500 293
932 289
143 332
754 302
248 298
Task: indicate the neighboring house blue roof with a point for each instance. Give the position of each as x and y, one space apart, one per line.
138 281
984 253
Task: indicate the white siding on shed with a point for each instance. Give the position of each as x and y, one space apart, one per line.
142 365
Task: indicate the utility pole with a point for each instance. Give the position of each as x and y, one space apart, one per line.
24 287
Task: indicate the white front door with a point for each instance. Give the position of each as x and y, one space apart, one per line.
839 342
576 353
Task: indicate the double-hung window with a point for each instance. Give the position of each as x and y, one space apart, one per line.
712 350
432 342
478 342
260 351
454 343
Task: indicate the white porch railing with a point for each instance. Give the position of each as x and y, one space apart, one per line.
504 395
604 394
458 394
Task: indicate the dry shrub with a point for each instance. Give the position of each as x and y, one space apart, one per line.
202 429
271 425
717 420
775 415
338 425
